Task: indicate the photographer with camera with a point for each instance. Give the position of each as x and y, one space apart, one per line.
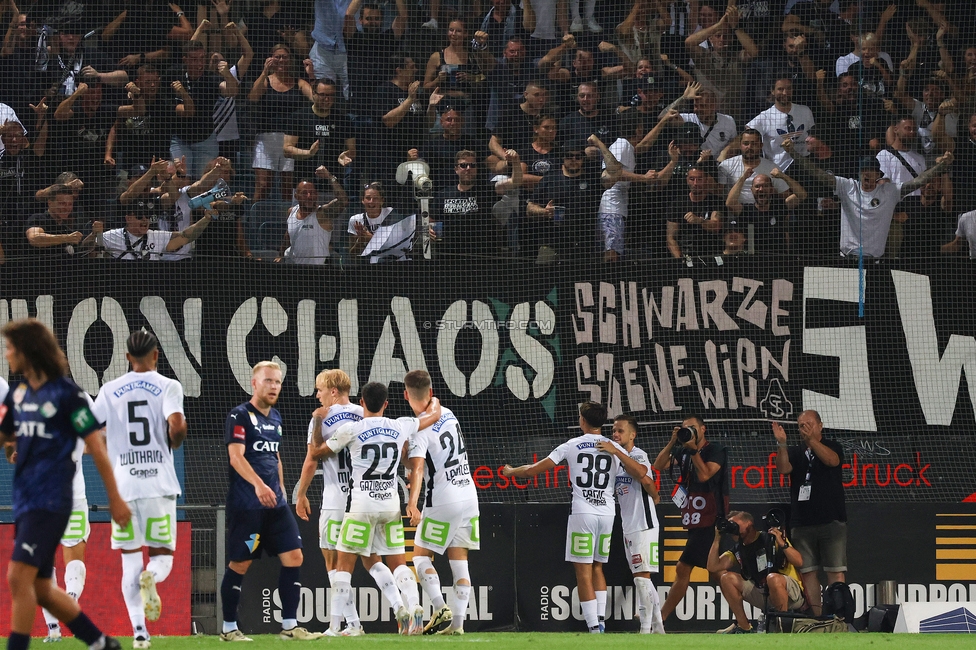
766 567
818 514
702 494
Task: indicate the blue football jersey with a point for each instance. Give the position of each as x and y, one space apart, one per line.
261 437
47 423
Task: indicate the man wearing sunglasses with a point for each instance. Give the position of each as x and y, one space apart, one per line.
468 225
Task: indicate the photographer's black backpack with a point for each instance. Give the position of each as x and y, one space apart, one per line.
838 601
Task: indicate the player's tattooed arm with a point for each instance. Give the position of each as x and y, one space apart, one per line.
318 417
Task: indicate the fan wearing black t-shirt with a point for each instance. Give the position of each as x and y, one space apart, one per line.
695 220
515 130
465 210
440 151
367 50
562 214
769 214
319 136
589 120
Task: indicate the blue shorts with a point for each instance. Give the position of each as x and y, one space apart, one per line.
36 538
269 530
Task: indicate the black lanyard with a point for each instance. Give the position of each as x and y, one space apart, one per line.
142 243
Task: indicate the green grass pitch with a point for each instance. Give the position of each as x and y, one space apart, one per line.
570 641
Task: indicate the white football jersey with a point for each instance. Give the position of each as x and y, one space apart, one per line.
134 408
446 471
375 454
637 511
592 473
335 469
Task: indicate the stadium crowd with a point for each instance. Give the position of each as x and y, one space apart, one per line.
149 130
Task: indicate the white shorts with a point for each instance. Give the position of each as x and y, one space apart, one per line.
588 538
642 549
330 521
78 528
269 153
365 533
456 525
153 524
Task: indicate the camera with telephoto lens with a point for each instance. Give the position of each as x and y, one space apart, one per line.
726 526
687 433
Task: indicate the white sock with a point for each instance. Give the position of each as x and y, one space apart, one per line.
601 606
407 584
657 622
131 568
643 586
349 610
289 623
429 580
74 578
590 615
462 592
51 620
341 589
384 580
160 566
351 614
228 627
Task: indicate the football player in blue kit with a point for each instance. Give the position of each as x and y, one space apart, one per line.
258 517
47 413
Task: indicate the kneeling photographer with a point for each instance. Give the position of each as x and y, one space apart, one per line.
766 567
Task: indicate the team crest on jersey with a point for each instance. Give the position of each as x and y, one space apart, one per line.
48 410
636 559
254 418
19 394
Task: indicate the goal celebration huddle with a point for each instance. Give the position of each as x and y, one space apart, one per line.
136 421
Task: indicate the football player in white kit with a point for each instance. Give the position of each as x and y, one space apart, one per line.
450 522
590 526
332 390
144 422
637 495
372 524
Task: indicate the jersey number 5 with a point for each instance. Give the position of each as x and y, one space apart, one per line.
386 450
136 421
